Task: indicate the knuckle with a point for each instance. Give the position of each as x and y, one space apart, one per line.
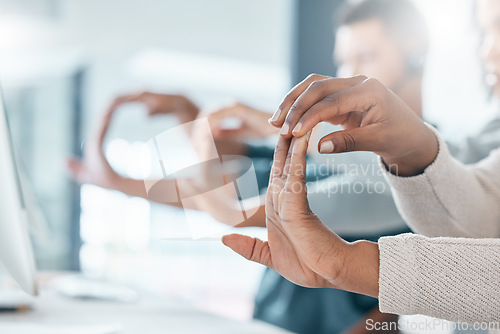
373 83
334 99
300 173
273 187
296 108
375 89
312 76
349 142
317 85
253 252
290 96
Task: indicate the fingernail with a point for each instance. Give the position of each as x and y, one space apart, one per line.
276 115
326 147
285 129
297 128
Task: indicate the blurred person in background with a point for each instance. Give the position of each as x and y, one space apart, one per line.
384 39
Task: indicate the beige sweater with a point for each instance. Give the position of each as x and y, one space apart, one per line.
454 274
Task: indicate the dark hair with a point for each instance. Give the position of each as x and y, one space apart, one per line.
400 17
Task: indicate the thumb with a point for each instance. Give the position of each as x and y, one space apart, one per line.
252 249
358 139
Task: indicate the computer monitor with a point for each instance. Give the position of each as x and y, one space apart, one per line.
16 253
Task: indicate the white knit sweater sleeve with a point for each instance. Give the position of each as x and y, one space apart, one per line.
457 279
451 199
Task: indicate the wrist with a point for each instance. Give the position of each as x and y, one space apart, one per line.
361 268
416 160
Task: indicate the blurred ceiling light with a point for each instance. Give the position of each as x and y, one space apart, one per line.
20 34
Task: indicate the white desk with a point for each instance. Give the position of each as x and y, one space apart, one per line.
150 315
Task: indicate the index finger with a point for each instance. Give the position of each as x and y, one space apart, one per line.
127 98
361 97
295 185
316 91
277 169
279 159
280 114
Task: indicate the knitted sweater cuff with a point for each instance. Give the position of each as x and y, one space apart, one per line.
422 182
